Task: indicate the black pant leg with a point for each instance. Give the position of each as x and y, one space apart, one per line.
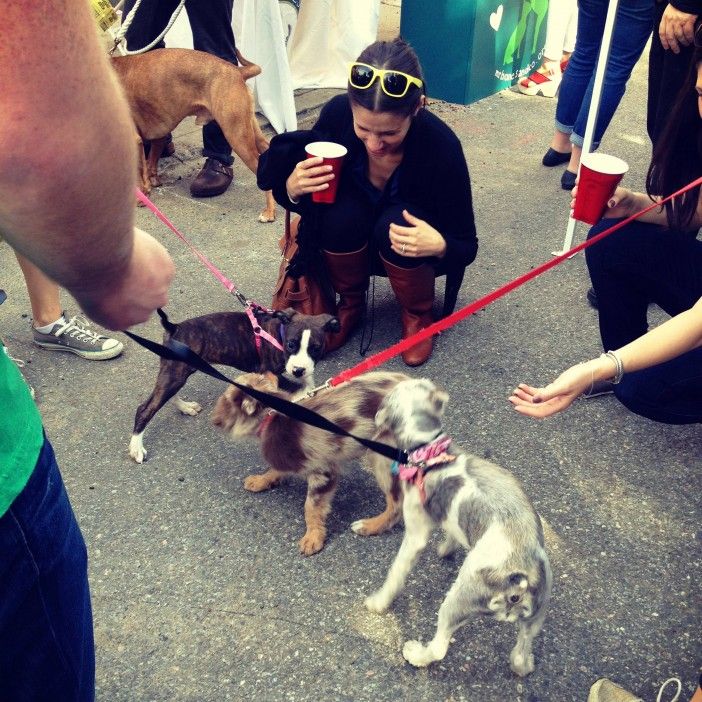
211 24
149 21
639 264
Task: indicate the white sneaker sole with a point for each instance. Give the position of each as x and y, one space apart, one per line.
89 355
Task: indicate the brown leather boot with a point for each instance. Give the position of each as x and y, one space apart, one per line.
414 290
349 274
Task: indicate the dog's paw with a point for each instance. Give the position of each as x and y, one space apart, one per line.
312 542
447 547
521 664
416 654
376 603
190 408
257 483
360 526
266 217
136 449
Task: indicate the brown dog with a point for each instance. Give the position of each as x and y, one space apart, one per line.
165 86
293 448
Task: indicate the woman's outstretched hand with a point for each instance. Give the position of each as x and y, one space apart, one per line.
418 240
559 395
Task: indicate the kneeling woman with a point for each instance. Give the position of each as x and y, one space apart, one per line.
403 202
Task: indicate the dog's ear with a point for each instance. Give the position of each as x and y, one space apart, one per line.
439 399
331 324
222 411
286 315
249 406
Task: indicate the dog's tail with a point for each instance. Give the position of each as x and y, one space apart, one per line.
248 69
165 322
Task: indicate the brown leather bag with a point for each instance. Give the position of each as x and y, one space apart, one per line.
305 294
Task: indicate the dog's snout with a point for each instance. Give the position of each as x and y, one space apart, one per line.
298 372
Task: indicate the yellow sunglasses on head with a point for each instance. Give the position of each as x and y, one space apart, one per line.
394 83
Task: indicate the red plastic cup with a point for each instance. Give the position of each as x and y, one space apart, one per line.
333 155
599 176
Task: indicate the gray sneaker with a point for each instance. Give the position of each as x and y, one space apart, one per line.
76 336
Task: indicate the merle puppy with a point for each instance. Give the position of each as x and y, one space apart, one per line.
481 508
227 338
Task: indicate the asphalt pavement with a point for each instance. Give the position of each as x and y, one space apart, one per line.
199 592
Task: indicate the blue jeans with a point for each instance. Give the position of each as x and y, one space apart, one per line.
632 29
46 629
637 265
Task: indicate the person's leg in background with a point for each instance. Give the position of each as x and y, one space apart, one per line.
632 29
150 19
51 329
581 66
211 22
46 628
412 281
560 41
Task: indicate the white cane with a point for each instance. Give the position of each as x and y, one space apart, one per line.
594 107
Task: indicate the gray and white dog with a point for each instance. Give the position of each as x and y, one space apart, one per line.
482 508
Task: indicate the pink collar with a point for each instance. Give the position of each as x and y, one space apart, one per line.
422 460
261 333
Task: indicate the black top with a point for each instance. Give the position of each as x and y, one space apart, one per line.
433 175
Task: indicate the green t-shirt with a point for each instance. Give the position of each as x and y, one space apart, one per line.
21 434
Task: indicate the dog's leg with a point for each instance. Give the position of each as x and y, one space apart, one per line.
455 610
171 378
418 527
155 151
390 485
521 659
264 481
320 491
448 546
240 132
142 168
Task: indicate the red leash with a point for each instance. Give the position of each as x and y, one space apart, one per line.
385 355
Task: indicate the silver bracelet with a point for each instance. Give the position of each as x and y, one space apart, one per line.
618 365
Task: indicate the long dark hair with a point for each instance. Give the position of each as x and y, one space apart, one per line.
677 157
395 55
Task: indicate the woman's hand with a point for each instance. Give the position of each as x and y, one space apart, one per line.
309 176
560 394
623 203
418 240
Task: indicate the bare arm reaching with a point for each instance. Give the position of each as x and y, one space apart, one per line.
676 336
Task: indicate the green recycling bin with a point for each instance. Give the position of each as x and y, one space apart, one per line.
470 49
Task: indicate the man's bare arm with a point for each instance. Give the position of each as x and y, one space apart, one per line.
67 163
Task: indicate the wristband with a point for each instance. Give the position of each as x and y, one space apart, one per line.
618 365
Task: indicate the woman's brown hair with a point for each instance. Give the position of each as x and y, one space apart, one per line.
677 157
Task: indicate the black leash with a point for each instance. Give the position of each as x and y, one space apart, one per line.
177 351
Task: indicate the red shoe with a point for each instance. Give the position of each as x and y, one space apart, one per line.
539 83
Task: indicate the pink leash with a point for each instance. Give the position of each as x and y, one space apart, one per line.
228 285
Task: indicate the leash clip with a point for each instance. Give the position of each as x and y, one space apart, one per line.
324 386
